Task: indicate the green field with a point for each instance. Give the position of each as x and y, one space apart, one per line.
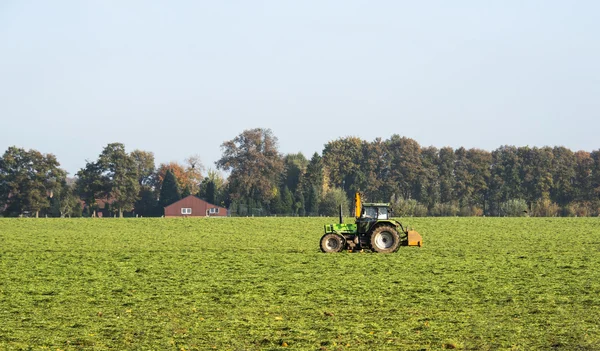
262 284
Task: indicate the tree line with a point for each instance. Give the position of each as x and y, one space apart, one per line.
261 181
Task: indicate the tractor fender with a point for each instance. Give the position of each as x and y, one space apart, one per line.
390 222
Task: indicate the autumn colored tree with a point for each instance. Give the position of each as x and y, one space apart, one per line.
193 173
187 176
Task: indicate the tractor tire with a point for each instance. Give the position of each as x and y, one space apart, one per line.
385 239
332 243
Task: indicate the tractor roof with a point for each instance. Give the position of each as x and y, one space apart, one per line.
376 204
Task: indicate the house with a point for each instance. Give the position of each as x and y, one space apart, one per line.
193 206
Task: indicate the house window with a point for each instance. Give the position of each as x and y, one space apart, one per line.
213 210
187 211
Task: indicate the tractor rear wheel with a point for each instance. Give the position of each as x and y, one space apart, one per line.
385 239
332 243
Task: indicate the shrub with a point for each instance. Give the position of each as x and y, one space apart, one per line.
409 208
513 208
330 204
469 211
544 208
444 209
580 209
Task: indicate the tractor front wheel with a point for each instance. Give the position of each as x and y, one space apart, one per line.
332 243
385 239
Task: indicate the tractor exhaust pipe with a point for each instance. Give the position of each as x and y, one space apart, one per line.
341 218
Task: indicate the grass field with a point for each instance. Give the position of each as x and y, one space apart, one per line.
262 284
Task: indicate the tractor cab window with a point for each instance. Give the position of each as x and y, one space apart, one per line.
383 213
369 212
375 212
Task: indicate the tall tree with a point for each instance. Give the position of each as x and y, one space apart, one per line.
313 184
376 165
67 201
186 192
299 202
582 184
211 192
446 159
193 173
147 204
595 176
169 191
312 203
563 175
535 173
188 175
177 169
294 169
405 166
144 164
505 180
479 165
463 189
294 178
342 158
254 163
287 201
429 190
27 179
91 185
211 188
120 168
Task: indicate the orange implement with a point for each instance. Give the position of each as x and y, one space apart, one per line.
414 238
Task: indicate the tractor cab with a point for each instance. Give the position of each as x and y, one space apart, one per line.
369 213
375 210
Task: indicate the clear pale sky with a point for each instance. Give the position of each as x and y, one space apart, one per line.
180 77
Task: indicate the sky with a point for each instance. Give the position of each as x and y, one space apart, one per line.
179 78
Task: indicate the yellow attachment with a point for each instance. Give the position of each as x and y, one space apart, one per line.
357 205
414 238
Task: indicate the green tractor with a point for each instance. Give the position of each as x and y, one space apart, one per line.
373 229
